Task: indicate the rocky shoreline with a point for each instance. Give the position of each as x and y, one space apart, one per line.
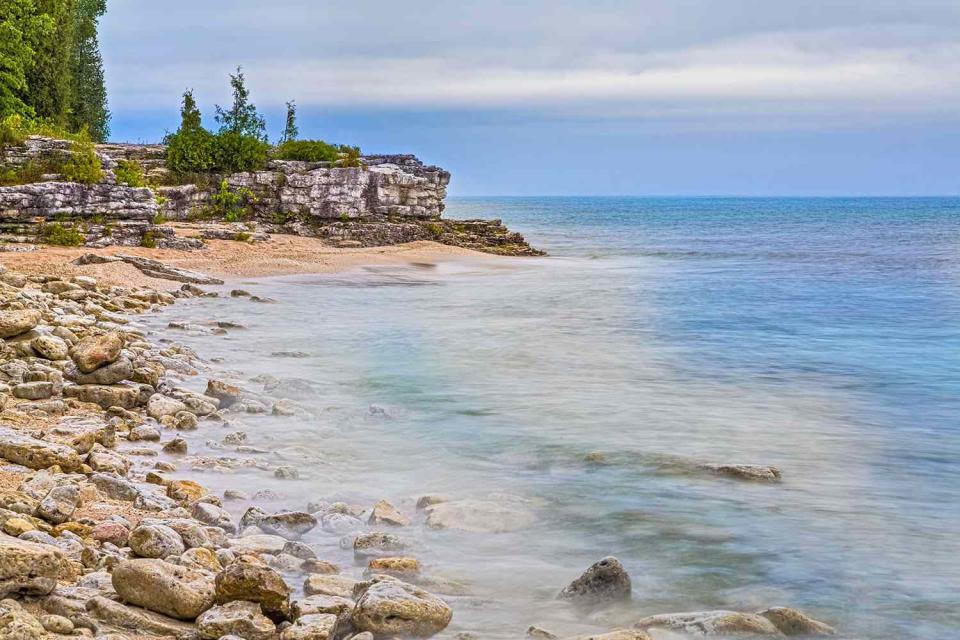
103 537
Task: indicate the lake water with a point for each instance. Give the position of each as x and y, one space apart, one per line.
818 335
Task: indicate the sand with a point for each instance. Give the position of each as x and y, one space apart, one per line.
230 260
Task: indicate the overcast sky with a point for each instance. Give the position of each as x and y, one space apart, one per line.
666 97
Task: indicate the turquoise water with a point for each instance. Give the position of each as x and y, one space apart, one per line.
818 335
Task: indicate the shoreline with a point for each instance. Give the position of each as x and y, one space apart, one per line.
106 533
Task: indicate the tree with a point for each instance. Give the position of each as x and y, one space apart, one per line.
192 148
290 131
190 119
242 119
89 96
21 27
49 80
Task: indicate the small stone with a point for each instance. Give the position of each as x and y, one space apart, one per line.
605 581
289 524
377 544
395 566
17 526
317 626
322 567
286 472
57 624
112 532
329 585
385 513
59 504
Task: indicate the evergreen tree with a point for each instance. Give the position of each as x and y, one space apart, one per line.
290 131
190 119
89 95
49 80
242 119
21 27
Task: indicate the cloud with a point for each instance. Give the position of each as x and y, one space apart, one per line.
842 59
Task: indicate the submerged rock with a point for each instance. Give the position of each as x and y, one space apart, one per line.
711 623
479 516
604 581
754 472
794 623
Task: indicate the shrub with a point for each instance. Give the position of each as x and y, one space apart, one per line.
130 173
13 131
148 240
435 229
236 151
227 205
83 165
350 157
191 151
60 235
307 151
28 172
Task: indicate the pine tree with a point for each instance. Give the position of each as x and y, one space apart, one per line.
242 118
290 131
89 99
21 27
49 81
190 119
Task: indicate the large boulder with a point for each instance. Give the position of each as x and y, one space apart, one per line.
97 351
711 623
34 453
14 323
176 591
604 581
390 607
111 373
138 620
254 583
241 619
27 568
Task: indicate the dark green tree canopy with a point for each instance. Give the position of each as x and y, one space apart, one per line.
242 118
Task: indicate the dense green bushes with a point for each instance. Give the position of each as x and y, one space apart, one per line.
83 165
130 173
307 151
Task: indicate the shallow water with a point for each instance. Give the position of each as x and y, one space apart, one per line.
821 336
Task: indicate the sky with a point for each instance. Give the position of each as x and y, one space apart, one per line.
596 97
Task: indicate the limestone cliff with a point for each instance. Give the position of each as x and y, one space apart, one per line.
391 199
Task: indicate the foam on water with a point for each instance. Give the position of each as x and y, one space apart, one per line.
820 336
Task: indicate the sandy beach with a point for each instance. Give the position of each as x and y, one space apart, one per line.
280 255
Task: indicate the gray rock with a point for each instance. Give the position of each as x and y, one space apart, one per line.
112 373
33 390
138 619
605 581
289 524
711 623
60 503
317 626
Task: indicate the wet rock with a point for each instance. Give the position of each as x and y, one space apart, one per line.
711 623
391 607
605 581
60 503
155 541
428 501
317 626
146 432
286 472
176 591
51 347
227 394
34 453
177 446
97 351
751 472
372 545
15 323
289 524
315 565
340 523
791 622
264 543
214 516
539 633
329 585
138 619
159 406
479 516
394 566
385 513
254 583
617 634
241 619
299 550
27 568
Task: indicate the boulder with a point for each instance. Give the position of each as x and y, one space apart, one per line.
14 323
315 626
289 524
261 543
337 605
17 624
38 390
377 544
60 503
176 591
155 541
604 581
97 351
794 623
385 513
27 568
51 347
254 583
112 373
393 608
159 406
329 585
34 453
105 396
227 394
240 619
138 620
711 623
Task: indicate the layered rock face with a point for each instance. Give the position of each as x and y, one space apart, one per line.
390 200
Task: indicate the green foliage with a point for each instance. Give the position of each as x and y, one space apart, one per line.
350 157
29 172
243 236
307 151
344 217
227 205
14 130
191 151
130 173
22 29
242 118
61 235
238 152
88 105
290 130
83 165
148 240
49 79
435 229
